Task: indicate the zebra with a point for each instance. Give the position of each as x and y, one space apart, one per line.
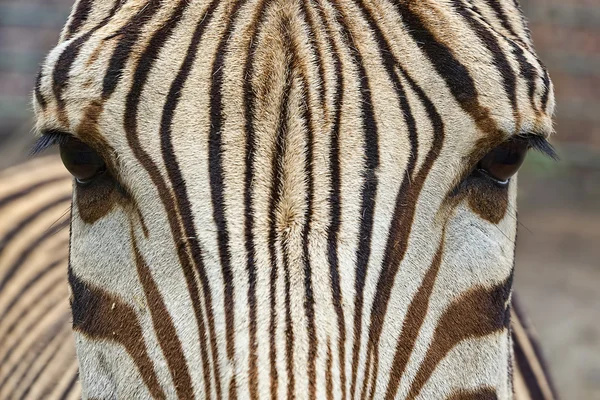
295 198
37 350
34 207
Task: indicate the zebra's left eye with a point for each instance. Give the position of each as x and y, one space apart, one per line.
504 161
83 162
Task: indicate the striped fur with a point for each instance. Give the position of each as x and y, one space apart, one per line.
37 352
33 208
289 210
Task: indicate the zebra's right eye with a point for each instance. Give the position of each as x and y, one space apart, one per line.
83 162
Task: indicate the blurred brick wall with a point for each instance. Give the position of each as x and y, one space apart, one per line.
28 29
566 34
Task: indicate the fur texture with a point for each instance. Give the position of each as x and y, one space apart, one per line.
289 209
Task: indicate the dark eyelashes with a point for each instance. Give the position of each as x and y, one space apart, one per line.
48 139
540 144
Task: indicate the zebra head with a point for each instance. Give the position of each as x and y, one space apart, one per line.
293 198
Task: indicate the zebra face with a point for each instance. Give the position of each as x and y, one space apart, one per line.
293 198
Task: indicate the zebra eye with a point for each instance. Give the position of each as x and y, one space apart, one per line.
84 163
504 161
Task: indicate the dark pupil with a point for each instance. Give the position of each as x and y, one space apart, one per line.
81 161
504 161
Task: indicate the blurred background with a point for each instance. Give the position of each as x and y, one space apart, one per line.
558 251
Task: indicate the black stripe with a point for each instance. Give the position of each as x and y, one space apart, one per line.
276 188
335 206
523 21
292 50
217 188
368 193
129 37
41 274
379 306
316 51
526 71
396 245
40 343
66 336
38 90
80 16
546 94
180 189
250 158
501 15
455 74
67 392
29 189
309 301
289 329
491 43
62 68
28 250
43 295
528 375
130 124
23 224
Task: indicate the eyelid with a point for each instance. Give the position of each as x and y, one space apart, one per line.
48 139
539 143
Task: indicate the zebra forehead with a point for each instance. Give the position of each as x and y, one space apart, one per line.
142 49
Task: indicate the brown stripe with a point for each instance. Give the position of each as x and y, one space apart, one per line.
368 186
27 251
188 252
24 292
23 224
328 374
72 387
529 359
317 52
499 60
248 204
43 303
164 327
98 315
217 184
415 316
62 68
309 303
278 172
335 203
485 393
480 311
456 75
406 200
522 320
